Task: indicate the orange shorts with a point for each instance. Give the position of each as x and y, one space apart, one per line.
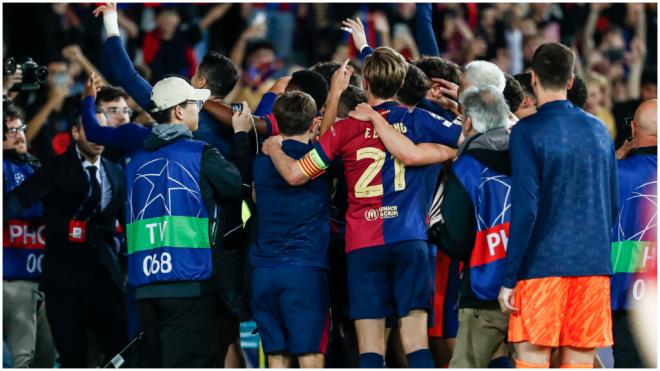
563 311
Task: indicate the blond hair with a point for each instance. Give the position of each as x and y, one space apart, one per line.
385 71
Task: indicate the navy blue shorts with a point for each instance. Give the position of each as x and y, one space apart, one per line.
389 280
290 307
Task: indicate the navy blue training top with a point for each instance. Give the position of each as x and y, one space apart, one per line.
564 195
293 223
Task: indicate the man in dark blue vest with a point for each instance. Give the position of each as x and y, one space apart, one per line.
634 238
175 186
475 225
24 312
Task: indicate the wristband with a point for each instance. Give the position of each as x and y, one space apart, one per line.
110 23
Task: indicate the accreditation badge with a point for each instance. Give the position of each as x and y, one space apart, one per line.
77 230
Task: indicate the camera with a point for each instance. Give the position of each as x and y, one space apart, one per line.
33 74
237 107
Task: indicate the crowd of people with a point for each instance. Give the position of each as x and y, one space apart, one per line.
400 185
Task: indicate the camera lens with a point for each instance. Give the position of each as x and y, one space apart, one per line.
41 75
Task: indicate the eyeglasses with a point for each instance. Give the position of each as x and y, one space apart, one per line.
114 111
13 131
628 121
198 103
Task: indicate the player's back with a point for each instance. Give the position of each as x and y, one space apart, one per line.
387 200
293 222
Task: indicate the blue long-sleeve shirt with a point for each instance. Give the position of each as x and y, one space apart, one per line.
124 74
426 41
127 137
564 195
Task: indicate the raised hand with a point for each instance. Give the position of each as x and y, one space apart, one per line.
13 79
110 18
93 85
107 8
356 29
341 78
242 121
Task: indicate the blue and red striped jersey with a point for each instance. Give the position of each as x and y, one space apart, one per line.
387 201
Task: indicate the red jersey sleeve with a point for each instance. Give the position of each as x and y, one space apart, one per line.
316 161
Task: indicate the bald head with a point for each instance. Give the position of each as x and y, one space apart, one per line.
646 120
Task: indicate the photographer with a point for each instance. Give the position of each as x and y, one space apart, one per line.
49 113
82 195
24 315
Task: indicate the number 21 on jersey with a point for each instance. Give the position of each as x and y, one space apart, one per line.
362 187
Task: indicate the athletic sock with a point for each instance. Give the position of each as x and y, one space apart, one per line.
371 360
522 364
577 365
501 362
420 359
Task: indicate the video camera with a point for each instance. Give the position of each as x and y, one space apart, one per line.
33 74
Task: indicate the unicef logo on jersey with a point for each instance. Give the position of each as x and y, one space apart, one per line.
19 178
384 212
371 215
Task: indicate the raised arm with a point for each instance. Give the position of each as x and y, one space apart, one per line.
339 82
356 29
74 54
122 71
424 29
400 146
637 57
127 137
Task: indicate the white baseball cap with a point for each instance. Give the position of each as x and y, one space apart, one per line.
171 91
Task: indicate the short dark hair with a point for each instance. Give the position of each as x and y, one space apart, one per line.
349 99
415 86
110 94
553 65
311 83
257 44
436 67
220 73
294 112
13 112
578 92
525 80
326 69
513 93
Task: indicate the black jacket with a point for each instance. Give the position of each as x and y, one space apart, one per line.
456 234
62 185
220 183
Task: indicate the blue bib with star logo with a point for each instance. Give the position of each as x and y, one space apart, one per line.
167 229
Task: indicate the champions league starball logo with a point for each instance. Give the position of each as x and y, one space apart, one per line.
158 182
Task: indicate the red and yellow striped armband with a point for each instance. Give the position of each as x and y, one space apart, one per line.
312 165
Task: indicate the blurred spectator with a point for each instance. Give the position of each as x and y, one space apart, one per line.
599 100
168 49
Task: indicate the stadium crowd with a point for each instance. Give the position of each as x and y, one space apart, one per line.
400 185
